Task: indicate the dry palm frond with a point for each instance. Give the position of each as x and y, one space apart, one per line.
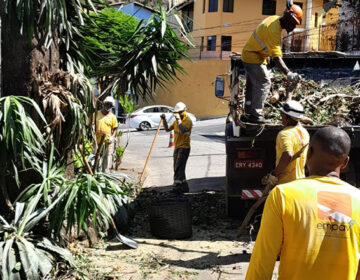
66 101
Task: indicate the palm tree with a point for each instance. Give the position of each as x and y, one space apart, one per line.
32 34
41 39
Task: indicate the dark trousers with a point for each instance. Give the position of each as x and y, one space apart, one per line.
181 156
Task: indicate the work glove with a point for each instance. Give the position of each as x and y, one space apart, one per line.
163 116
293 77
110 140
177 116
270 180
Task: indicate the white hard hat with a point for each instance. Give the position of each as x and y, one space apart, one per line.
179 107
109 99
293 109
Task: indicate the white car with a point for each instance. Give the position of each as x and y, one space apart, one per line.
149 117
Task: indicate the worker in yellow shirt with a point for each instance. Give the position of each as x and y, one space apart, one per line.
291 146
312 223
106 125
182 126
265 42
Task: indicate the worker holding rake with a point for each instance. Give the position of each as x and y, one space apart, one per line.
182 126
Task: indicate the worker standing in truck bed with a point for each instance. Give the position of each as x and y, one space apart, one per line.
265 42
312 223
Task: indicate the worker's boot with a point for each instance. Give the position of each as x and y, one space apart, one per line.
248 118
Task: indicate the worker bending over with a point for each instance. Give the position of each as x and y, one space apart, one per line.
106 125
182 126
312 223
265 42
291 146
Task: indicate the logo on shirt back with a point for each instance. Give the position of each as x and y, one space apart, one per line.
334 209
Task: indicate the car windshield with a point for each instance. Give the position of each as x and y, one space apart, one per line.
165 109
152 110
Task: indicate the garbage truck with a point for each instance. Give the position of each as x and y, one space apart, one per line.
250 150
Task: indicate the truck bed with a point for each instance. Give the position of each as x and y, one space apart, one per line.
251 155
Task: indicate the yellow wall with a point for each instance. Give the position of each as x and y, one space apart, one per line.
315 32
328 32
241 23
196 89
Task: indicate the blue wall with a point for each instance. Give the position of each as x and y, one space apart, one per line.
135 10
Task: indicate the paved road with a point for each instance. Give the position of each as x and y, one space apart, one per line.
206 164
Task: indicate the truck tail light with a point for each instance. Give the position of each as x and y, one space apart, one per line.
248 154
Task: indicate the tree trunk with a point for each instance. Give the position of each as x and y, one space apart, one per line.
20 58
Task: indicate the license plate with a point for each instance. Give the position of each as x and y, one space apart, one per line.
249 164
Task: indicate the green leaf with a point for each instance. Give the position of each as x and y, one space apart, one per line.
7 262
45 263
19 208
29 224
4 221
48 245
18 266
29 258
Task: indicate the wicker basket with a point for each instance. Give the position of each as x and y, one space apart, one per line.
171 219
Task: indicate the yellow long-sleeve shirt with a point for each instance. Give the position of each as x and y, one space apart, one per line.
314 225
264 42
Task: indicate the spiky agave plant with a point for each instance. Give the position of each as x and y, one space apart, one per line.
21 141
25 255
89 200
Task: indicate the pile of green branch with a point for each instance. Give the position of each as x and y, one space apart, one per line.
323 103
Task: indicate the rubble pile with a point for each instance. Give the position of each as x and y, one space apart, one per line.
323 103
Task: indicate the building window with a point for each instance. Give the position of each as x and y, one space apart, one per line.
188 17
204 5
211 43
213 6
228 6
226 43
316 20
202 44
269 7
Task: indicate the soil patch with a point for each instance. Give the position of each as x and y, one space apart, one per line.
211 253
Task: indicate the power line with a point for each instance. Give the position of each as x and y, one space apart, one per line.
241 22
322 27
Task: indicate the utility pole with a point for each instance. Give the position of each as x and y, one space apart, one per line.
308 24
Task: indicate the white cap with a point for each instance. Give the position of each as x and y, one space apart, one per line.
109 99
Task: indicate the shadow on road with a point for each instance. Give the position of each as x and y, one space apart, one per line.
207 184
210 260
197 185
215 138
